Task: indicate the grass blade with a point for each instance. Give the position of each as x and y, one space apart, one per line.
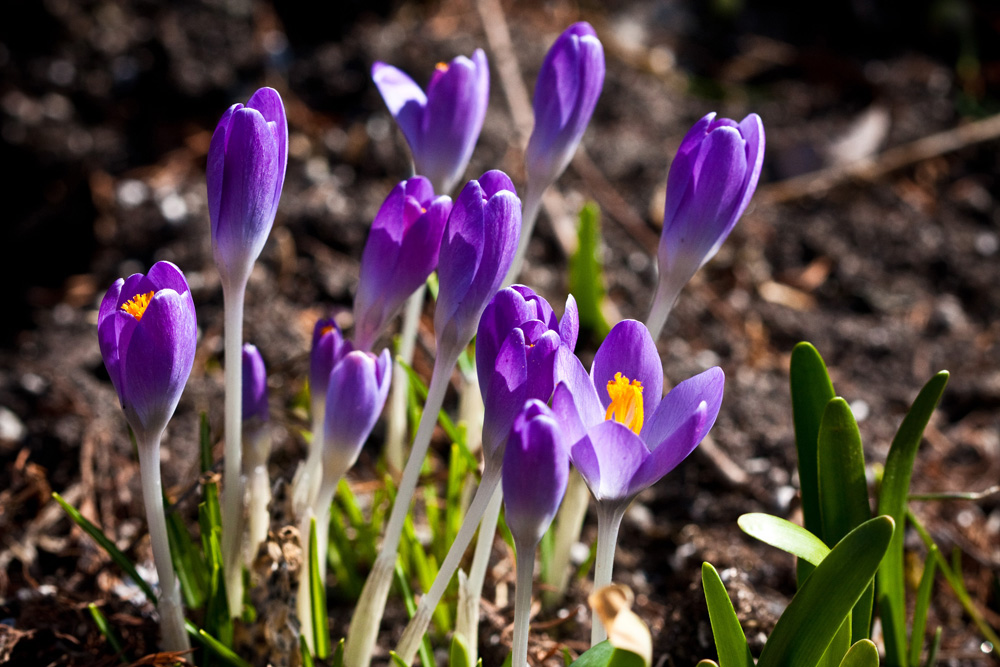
109 633
317 597
784 535
922 605
811 391
188 561
220 650
730 642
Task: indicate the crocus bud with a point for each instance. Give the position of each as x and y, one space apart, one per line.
516 347
535 473
148 333
566 93
328 347
245 173
478 247
709 186
442 126
357 391
402 250
254 384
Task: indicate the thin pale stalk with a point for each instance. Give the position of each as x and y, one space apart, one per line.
568 527
320 510
368 612
609 520
258 487
232 474
410 641
467 623
170 607
663 302
309 474
522 602
396 434
529 214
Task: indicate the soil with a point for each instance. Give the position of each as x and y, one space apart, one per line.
106 110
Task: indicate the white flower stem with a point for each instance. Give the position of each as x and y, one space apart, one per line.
233 293
303 603
529 214
568 527
396 434
368 613
522 602
467 623
170 607
663 302
609 520
258 486
305 484
410 642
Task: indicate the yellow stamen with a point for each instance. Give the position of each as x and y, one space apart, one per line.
325 330
137 305
626 402
441 67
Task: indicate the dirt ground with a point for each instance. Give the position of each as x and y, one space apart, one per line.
889 265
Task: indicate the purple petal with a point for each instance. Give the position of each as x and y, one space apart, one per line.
569 325
608 458
541 366
570 371
405 99
507 310
629 350
671 452
505 395
568 415
354 400
268 102
108 330
681 402
254 384
215 169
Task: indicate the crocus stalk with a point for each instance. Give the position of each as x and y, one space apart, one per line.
617 449
245 173
710 184
441 126
535 471
257 448
516 345
148 333
566 93
478 245
328 347
356 392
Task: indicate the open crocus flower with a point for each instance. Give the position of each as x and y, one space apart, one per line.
441 126
402 250
148 333
710 184
245 173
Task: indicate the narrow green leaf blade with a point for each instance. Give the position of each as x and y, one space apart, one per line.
839 646
221 650
824 600
307 659
811 390
109 633
784 535
862 654
730 642
892 502
922 605
188 561
843 490
458 654
586 272
338 655
606 655
317 597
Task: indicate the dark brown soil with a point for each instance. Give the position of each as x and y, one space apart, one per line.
106 109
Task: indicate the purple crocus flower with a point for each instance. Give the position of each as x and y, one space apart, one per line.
254 384
710 184
566 93
148 332
478 247
245 172
328 347
623 437
359 384
441 126
402 250
516 347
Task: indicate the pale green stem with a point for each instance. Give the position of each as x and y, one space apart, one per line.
609 520
320 510
568 527
522 602
529 214
368 614
258 489
170 607
396 434
303 601
410 642
467 623
309 474
232 490
667 291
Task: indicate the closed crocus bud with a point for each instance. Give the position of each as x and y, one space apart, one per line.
358 388
709 186
479 243
148 334
254 384
328 347
566 93
245 173
402 250
441 126
535 472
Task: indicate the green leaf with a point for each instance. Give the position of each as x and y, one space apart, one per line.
707 663
586 272
116 555
811 390
109 634
933 650
218 621
420 389
317 597
338 655
838 647
307 659
784 535
220 650
458 655
824 600
730 642
892 502
862 654
188 561
922 605
606 655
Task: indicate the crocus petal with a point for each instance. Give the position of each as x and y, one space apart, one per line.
568 415
268 102
404 98
328 347
505 394
254 384
108 329
681 402
569 325
671 452
608 458
629 350
505 311
541 357
354 399
580 387
215 169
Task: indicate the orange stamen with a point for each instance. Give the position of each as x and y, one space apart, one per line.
441 67
137 305
626 402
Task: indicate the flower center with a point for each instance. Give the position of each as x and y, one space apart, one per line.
441 67
325 330
137 305
626 402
